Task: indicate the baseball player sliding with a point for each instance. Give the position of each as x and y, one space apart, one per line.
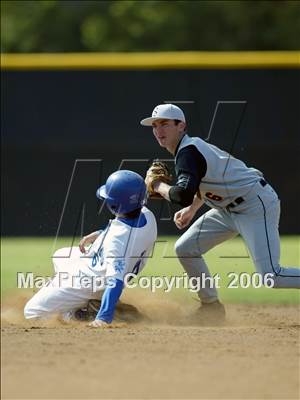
121 248
241 202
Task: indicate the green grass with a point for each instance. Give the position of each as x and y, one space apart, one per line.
34 255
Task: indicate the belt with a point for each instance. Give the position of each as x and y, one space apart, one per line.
236 202
240 200
263 182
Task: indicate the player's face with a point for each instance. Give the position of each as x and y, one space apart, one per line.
167 133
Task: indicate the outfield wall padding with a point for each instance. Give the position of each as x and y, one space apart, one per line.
51 118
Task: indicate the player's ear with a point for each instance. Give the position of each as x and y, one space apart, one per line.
182 126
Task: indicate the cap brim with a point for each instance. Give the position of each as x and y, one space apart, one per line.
148 121
101 192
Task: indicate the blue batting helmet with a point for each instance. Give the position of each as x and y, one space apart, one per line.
124 191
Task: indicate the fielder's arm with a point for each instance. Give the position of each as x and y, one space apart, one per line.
162 188
178 195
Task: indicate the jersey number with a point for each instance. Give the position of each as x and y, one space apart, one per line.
97 256
214 197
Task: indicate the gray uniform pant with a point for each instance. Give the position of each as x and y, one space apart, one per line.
256 220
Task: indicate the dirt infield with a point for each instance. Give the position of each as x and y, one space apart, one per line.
255 355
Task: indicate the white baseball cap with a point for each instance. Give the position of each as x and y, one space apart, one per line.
164 111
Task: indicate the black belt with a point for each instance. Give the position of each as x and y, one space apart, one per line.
240 200
263 182
236 202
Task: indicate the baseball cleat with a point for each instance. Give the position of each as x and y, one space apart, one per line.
210 314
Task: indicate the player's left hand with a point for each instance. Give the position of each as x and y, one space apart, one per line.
98 323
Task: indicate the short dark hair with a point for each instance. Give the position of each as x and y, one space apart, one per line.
176 121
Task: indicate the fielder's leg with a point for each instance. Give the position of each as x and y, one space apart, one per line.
259 228
211 229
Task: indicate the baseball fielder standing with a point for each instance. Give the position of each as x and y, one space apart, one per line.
99 273
241 202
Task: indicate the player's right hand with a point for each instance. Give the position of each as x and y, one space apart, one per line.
86 240
183 217
83 242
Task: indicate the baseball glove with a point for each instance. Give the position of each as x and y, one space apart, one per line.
158 171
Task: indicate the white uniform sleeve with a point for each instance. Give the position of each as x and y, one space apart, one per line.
115 267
